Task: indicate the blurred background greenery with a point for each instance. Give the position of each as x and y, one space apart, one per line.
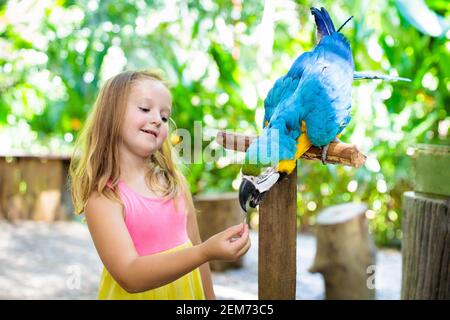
222 57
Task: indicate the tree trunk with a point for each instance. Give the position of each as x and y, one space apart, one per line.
345 253
278 241
425 246
216 212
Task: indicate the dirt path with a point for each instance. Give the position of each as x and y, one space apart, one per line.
59 261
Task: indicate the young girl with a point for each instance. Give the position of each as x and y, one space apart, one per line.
136 202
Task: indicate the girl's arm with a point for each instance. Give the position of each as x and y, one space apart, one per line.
136 273
194 235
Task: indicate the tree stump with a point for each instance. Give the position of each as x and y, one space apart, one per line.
216 212
345 252
425 246
278 241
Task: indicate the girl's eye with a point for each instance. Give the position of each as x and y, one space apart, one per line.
144 109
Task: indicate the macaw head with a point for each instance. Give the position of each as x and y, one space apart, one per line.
253 188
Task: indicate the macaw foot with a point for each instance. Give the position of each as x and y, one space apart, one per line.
325 150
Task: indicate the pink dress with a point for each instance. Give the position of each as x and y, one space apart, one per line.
156 226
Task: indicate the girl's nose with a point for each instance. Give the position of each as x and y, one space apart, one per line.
155 119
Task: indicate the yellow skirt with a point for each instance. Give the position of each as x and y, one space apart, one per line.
188 287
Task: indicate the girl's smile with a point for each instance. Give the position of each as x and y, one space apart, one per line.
150 132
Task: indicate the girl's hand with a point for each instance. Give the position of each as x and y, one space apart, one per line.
230 244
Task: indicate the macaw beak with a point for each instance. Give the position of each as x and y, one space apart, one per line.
253 189
247 191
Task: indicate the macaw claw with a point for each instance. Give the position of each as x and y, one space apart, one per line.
325 150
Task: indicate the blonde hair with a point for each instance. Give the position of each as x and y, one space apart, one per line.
94 166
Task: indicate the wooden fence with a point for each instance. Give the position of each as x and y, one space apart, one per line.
34 187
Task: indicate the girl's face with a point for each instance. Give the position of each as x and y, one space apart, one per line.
145 126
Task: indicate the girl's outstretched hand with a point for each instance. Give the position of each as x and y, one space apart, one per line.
230 244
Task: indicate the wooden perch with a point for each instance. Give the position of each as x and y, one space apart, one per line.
338 152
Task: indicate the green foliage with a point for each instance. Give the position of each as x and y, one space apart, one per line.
221 58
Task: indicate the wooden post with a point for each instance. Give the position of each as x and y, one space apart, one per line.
278 241
278 218
425 246
426 226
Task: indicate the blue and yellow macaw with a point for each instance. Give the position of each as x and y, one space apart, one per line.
310 105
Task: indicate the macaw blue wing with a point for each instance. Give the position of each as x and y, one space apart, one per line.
278 139
284 86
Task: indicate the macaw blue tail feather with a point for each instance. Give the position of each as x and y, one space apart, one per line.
369 75
324 23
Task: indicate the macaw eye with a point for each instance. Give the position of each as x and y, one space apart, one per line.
342 123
